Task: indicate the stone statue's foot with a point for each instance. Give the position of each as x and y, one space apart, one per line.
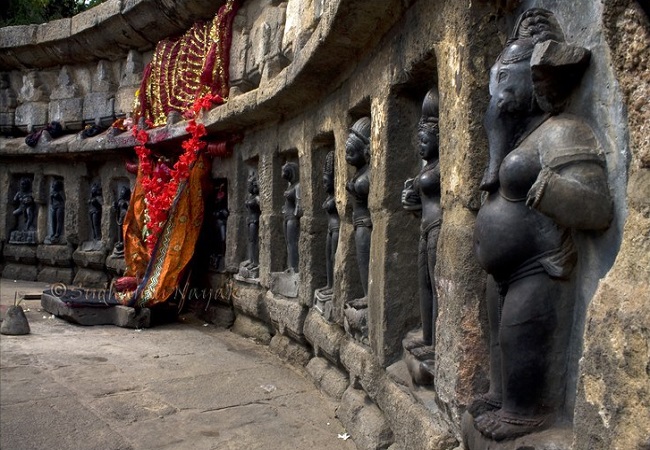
482 404
411 344
325 291
499 426
425 352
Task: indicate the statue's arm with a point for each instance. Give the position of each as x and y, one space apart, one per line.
575 196
411 200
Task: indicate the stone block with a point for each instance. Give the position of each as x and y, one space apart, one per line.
89 278
24 254
285 284
55 255
362 366
248 299
327 377
417 420
115 266
55 275
290 350
288 316
364 421
90 259
121 316
97 104
218 314
252 328
124 98
14 271
325 337
66 110
32 114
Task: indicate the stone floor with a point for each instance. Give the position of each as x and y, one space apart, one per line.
186 385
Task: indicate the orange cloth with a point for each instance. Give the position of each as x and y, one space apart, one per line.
159 277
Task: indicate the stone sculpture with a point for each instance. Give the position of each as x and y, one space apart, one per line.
220 215
324 295
292 211
422 194
95 204
57 212
250 267
121 206
25 210
546 177
357 154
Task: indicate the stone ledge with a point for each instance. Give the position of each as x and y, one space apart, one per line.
121 316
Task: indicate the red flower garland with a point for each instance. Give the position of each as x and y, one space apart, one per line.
159 181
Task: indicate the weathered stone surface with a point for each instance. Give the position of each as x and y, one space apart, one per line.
121 316
55 255
364 421
252 328
327 377
32 114
290 350
285 284
55 275
25 272
14 322
65 110
324 337
249 299
25 254
218 314
90 259
115 265
89 278
287 316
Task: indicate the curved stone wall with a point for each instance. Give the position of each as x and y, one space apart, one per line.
302 73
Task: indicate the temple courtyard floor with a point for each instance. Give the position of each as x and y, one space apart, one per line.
184 385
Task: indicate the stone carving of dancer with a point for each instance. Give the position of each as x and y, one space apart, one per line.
57 211
357 154
95 205
220 215
292 212
333 223
24 202
253 223
546 177
121 207
422 194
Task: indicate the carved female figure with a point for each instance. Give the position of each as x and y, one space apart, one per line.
57 211
546 176
252 221
24 201
292 211
357 154
423 194
95 210
121 207
220 215
333 223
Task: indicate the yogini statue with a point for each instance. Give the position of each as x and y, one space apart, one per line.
251 265
121 207
422 194
24 201
95 204
333 223
292 211
546 177
57 211
220 216
357 154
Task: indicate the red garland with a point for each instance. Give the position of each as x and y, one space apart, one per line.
159 181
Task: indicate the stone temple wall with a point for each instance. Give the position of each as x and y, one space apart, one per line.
302 72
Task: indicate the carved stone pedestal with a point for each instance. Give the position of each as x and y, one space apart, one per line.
420 361
55 264
248 273
285 283
287 315
23 237
557 438
323 303
90 257
355 319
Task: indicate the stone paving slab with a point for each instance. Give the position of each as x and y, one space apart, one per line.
186 385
